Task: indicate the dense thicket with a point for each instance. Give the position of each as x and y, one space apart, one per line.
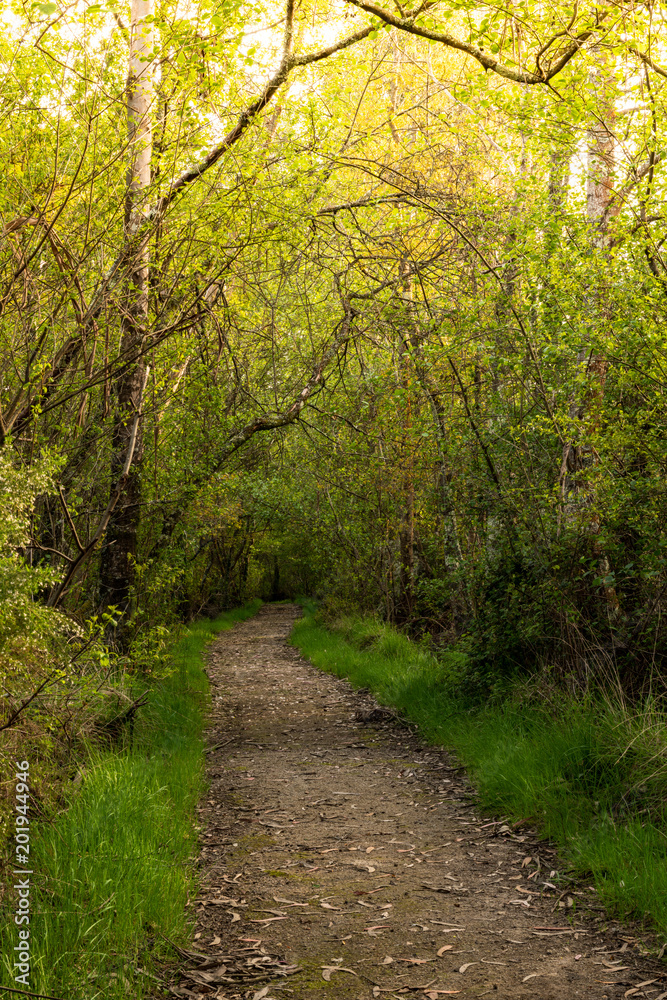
333 300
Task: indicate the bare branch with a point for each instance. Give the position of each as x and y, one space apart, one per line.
368 202
72 526
407 23
648 62
288 63
618 197
269 422
24 704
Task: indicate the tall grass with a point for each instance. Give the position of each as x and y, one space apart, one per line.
590 775
114 870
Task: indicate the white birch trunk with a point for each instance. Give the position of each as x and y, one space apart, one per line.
120 549
140 96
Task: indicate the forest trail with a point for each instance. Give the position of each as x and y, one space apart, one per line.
348 849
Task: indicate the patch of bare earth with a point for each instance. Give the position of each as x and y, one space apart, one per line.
343 858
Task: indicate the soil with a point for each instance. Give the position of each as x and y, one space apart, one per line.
341 857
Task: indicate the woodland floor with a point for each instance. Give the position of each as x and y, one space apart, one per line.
350 851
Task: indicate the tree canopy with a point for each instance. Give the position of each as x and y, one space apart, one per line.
361 301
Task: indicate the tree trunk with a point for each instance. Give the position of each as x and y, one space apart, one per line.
120 548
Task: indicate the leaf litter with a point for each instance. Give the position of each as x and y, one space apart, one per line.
268 702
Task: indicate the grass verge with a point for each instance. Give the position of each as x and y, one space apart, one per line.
590 775
113 871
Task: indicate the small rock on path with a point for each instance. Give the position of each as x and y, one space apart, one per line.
354 853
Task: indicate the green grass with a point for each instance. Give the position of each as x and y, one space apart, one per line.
589 775
114 870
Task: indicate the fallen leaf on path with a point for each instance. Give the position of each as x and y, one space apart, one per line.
415 961
261 993
445 947
214 977
387 960
554 932
369 849
434 994
638 987
328 906
289 902
532 975
235 916
526 861
267 920
328 971
370 906
467 966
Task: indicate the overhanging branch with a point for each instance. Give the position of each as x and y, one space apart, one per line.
407 23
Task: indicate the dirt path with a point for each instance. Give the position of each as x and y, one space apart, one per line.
348 850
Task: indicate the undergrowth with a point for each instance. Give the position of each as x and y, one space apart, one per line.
589 774
114 869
